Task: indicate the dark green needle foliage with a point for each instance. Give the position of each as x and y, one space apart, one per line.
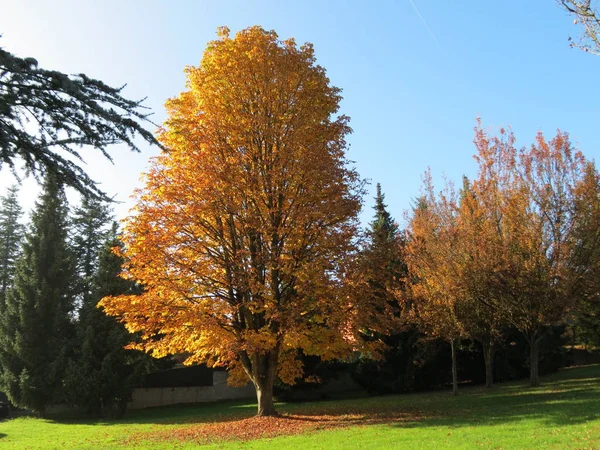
382 255
383 263
11 233
36 327
47 116
102 374
90 229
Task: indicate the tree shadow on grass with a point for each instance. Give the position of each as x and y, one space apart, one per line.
555 404
168 415
567 398
2 435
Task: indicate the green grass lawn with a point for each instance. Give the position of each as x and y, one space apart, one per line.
563 413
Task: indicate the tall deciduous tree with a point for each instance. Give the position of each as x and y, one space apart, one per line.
531 196
446 242
45 116
483 323
433 250
241 233
587 257
36 327
11 232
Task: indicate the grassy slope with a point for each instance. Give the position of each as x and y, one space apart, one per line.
563 413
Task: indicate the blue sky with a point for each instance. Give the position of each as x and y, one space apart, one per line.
413 98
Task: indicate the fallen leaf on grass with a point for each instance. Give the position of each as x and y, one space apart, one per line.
266 427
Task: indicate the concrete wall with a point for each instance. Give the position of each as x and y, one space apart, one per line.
146 398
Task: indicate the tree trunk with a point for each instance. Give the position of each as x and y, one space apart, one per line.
454 371
488 356
534 356
264 397
262 369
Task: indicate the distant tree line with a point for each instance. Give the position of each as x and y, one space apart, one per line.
57 346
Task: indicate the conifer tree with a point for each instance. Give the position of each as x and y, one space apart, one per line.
46 115
386 240
384 273
90 231
102 374
36 328
11 232
382 255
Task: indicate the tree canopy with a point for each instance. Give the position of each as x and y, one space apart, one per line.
517 246
242 230
11 232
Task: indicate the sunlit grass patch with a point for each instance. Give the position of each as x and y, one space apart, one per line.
563 413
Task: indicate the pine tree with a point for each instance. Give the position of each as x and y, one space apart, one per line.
36 328
11 232
89 231
382 257
383 268
385 241
102 374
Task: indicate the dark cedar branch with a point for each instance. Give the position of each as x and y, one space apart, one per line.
46 116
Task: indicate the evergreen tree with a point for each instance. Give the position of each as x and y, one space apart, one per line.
89 231
36 328
384 247
102 374
11 232
382 266
45 115
382 260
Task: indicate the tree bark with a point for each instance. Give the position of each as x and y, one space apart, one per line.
264 397
488 356
534 356
262 369
454 371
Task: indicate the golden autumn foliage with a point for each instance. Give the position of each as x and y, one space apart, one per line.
514 247
432 256
531 197
241 233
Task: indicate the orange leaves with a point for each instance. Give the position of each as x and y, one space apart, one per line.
242 228
305 418
503 248
259 341
433 258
